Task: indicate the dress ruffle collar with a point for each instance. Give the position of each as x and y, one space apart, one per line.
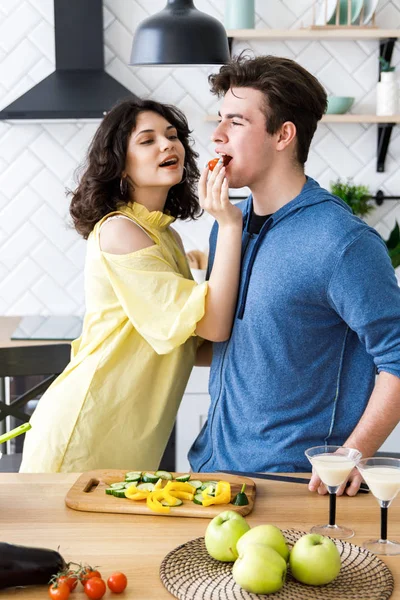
154 218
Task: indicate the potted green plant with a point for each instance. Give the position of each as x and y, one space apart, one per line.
358 197
385 65
393 245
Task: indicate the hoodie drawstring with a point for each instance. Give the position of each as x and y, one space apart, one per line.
267 225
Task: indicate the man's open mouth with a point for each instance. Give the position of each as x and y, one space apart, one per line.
226 158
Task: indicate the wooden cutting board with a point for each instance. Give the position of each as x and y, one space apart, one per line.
88 494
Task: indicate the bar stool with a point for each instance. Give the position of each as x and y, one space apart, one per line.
22 361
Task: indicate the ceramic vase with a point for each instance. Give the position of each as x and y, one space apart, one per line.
387 97
239 14
397 271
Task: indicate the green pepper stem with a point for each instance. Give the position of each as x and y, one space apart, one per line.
243 488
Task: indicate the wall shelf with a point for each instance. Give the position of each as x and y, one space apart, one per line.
387 39
346 118
318 33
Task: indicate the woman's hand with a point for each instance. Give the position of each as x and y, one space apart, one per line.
214 196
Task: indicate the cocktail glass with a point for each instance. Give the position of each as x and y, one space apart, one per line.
382 475
333 465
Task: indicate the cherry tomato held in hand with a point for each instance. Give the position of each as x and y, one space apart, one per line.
87 573
59 591
213 163
95 588
117 582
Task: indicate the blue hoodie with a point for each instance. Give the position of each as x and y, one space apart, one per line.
318 315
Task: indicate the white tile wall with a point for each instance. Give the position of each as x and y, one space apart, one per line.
41 257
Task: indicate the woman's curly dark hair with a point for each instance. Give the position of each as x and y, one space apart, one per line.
98 192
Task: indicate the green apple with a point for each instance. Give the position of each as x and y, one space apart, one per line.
314 560
259 569
269 535
223 533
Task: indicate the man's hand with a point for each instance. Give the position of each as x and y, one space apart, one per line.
354 480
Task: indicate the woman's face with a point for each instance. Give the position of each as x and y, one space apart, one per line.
155 156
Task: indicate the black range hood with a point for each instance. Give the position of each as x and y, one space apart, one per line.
79 88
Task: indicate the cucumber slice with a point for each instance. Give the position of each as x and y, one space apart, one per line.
133 476
119 493
196 483
119 485
177 500
150 478
163 475
149 487
198 499
183 478
110 491
207 484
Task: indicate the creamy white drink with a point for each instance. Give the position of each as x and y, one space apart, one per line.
333 464
384 482
332 469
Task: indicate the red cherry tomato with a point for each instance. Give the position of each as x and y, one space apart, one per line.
213 163
117 582
59 591
70 579
95 588
87 573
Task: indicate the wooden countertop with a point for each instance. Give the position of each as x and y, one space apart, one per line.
33 513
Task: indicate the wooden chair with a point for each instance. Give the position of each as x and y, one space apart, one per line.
47 360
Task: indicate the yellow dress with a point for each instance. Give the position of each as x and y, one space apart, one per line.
115 404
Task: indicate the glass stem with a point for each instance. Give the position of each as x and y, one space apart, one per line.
332 509
384 517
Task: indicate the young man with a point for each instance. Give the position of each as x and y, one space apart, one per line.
318 313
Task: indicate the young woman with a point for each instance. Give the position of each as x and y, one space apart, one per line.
115 404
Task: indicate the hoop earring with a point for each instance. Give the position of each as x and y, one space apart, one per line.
184 176
123 186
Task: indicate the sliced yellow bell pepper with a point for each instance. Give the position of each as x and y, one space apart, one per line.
158 485
139 496
207 491
153 502
179 486
181 495
222 494
134 494
170 499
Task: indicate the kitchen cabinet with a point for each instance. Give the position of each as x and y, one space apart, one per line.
191 416
392 443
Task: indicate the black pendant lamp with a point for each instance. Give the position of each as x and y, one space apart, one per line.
180 35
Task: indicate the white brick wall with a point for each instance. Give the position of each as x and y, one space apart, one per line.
41 258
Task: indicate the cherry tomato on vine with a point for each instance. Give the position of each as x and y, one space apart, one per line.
95 588
213 163
70 579
87 573
117 582
59 591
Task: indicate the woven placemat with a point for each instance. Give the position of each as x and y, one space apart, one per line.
189 573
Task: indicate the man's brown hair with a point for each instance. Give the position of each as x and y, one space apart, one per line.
291 93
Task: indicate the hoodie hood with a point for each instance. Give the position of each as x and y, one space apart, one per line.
79 88
312 193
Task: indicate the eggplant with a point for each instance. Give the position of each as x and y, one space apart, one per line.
23 565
